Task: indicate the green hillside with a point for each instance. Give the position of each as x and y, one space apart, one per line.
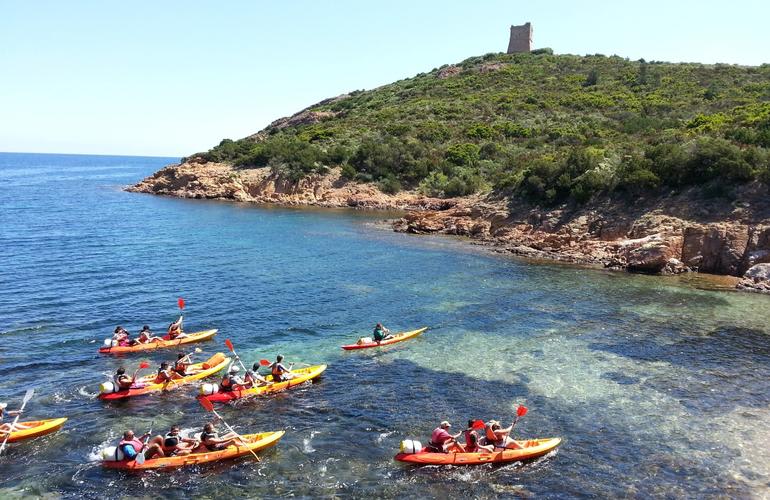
546 127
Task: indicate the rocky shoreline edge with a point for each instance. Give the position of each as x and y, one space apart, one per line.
668 235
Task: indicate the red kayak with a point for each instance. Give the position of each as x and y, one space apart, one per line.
399 337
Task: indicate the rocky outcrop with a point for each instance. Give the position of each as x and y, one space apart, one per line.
667 236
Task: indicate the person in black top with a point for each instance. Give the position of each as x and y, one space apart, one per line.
176 445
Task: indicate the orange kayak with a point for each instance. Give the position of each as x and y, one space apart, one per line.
399 337
301 376
147 384
35 429
254 442
532 448
161 344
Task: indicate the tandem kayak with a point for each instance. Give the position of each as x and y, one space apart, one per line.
161 344
532 448
255 442
301 375
147 384
36 428
398 337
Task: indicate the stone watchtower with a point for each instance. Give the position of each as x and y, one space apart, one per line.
521 39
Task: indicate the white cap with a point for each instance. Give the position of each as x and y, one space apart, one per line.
3 406
234 369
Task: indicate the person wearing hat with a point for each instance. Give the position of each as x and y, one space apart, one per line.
11 413
231 382
441 439
498 437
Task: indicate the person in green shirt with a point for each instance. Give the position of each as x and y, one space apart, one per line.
381 333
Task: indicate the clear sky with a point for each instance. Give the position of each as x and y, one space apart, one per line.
168 77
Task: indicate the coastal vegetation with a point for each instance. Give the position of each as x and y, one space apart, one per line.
547 128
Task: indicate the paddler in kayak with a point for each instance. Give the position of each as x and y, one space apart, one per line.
496 436
253 378
441 440
210 440
472 440
231 381
381 333
124 381
7 427
176 445
279 372
180 365
121 335
175 330
145 337
165 374
131 446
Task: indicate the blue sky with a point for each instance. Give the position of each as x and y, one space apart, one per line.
175 77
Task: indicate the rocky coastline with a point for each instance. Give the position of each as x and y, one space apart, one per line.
671 234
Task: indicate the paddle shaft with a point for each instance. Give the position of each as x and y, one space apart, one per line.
27 397
140 458
233 431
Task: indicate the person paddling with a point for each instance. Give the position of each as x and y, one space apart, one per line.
145 336
498 437
121 335
211 441
381 333
175 330
6 428
123 380
180 366
472 440
253 378
231 382
131 446
164 374
441 440
174 444
279 372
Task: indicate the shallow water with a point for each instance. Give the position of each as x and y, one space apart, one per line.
658 388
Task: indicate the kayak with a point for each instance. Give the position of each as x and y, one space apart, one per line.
161 344
301 376
37 428
532 448
255 442
399 337
147 384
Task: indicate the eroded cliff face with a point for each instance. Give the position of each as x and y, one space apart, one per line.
670 235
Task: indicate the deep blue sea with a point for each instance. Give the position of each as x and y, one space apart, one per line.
658 387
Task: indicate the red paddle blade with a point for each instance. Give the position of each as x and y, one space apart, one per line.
144 364
229 345
264 362
478 425
206 404
180 303
521 411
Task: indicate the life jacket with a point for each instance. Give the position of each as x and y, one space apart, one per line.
135 444
227 383
162 376
143 337
208 435
170 440
490 434
277 370
180 368
471 440
122 386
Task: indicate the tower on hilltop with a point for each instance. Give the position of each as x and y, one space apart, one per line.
521 39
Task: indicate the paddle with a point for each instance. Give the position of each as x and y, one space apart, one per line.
232 350
198 350
27 397
209 406
478 425
520 412
140 456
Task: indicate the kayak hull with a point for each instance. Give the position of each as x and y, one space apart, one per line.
532 448
164 344
302 375
399 337
256 442
198 371
38 428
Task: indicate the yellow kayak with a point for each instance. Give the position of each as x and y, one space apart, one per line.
35 429
301 376
398 337
161 344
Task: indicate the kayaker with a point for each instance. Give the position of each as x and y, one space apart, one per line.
381 333
180 366
254 378
175 330
210 440
164 374
441 440
121 335
11 413
472 440
131 446
279 372
145 336
124 381
174 444
498 437
231 382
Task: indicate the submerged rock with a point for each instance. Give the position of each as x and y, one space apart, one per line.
756 279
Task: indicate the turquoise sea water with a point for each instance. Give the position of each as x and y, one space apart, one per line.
658 388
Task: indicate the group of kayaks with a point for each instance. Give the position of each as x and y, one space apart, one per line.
250 443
